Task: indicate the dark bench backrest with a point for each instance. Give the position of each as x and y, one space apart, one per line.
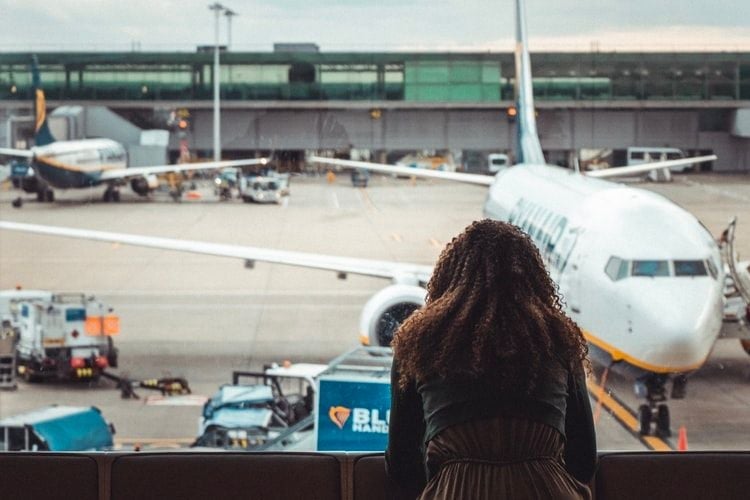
26 476
226 476
194 475
673 475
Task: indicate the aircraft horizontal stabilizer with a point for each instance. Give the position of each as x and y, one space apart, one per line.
478 179
124 173
395 271
645 168
22 153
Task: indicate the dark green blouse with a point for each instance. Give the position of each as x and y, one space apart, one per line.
420 413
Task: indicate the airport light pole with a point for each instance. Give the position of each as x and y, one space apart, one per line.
230 14
218 9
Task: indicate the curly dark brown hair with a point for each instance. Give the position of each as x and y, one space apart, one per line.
491 310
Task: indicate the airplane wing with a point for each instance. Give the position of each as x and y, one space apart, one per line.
23 153
395 271
478 179
124 173
644 168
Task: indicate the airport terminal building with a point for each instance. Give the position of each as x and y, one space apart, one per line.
297 98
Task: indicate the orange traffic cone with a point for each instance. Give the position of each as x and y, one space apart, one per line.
682 442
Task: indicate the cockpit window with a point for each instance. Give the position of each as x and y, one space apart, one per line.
617 268
650 268
689 268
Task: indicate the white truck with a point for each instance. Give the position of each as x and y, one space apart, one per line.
496 162
64 336
265 189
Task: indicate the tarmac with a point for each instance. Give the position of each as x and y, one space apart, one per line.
202 317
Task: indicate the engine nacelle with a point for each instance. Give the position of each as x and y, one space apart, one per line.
386 310
144 185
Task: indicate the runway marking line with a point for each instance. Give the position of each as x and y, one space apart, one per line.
626 417
368 200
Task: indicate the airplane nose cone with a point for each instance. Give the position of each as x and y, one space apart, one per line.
680 328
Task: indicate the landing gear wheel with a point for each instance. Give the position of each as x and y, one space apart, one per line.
111 194
17 203
49 195
662 421
644 418
40 196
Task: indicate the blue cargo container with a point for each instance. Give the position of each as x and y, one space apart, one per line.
56 428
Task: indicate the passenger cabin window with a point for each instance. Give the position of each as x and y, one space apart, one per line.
650 268
617 268
689 268
636 155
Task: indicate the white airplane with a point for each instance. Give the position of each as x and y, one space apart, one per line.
91 162
641 276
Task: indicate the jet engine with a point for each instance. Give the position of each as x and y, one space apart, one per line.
144 185
386 310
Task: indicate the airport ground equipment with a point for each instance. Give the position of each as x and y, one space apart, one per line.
258 410
56 428
360 177
67 336
264 189
167 386
8 339
736 290
353 401
497 162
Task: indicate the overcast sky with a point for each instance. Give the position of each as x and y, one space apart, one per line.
374 25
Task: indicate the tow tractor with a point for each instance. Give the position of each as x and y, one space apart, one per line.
167 386
65 336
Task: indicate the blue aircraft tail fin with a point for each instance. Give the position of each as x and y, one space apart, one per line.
529 149
42 134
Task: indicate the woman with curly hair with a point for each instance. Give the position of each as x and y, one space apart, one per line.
488 389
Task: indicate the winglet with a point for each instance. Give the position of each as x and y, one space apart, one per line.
529 149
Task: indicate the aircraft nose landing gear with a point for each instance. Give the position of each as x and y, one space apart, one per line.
656 411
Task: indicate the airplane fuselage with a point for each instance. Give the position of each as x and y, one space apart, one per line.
640 275
77 164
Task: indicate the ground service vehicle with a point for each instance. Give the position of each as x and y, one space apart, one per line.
353 401
360 177
497 161
56 428
640 155
263 190
273 409
67 336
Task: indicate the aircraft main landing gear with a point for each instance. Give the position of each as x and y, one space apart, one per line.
111 194
45 194
656 411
